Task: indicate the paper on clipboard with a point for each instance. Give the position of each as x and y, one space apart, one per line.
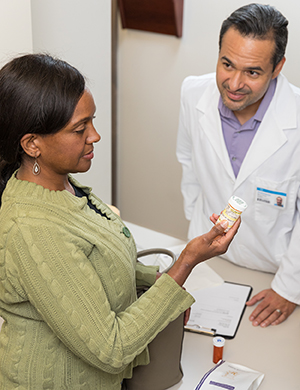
219 308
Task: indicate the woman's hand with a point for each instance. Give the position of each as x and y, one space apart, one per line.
214 218
211 244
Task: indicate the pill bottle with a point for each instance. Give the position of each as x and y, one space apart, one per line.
219 343
232 211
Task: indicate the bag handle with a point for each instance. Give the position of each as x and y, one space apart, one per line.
158 251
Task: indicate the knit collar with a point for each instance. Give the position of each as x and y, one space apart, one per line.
23 190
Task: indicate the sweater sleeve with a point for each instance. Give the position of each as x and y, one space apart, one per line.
66 291
145 274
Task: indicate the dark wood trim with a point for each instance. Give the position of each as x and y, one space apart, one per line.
114 132
160 16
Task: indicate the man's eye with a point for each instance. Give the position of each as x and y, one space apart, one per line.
253 73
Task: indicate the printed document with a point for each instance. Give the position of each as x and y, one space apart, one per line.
219 308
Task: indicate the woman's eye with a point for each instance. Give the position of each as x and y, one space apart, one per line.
80 131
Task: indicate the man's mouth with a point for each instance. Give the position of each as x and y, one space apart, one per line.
235 96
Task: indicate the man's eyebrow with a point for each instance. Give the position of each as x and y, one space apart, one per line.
226 59
253 68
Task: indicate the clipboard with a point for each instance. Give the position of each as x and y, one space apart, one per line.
218 310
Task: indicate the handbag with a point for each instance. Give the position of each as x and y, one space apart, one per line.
164 369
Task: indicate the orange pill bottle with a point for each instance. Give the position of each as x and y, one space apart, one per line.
219 343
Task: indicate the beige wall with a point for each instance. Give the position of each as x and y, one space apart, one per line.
15 28
80 33
151 68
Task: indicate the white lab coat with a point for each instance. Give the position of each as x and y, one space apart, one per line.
269 236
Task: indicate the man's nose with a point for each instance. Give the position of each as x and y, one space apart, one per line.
236 81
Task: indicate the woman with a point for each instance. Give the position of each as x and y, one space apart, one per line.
68 270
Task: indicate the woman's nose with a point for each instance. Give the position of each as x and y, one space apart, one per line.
94 136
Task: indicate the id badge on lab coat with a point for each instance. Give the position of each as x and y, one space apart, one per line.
271 198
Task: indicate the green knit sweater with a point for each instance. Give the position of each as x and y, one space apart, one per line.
68 293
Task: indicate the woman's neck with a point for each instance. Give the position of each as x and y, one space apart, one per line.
53 183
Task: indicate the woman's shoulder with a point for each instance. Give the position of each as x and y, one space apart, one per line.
24 202
24 199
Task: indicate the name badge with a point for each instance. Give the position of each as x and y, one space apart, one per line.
272 198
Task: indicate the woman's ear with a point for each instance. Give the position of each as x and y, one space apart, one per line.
30 145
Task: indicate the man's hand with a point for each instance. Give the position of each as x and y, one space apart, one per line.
272 310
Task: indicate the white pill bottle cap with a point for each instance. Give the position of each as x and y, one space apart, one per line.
219 341
237 203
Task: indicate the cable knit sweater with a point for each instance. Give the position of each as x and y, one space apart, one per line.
68 293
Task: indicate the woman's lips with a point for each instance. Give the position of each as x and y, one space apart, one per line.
89 155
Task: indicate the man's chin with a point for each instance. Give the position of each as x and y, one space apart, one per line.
234 106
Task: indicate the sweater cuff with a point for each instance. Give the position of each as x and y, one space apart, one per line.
170 287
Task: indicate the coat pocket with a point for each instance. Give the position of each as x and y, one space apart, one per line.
275 200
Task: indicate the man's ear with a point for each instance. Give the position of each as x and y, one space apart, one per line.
278 68
30 145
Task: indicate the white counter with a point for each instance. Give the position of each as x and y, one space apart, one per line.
274 351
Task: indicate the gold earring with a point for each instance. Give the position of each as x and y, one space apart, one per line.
36 169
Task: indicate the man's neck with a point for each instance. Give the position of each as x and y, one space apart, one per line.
244 115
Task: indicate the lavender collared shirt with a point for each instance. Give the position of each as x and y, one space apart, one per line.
238 137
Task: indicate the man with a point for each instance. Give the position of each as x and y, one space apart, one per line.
239 134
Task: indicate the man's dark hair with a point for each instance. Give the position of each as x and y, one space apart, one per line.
261 22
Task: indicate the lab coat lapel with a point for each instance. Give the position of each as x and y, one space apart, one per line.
210 123
270 136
